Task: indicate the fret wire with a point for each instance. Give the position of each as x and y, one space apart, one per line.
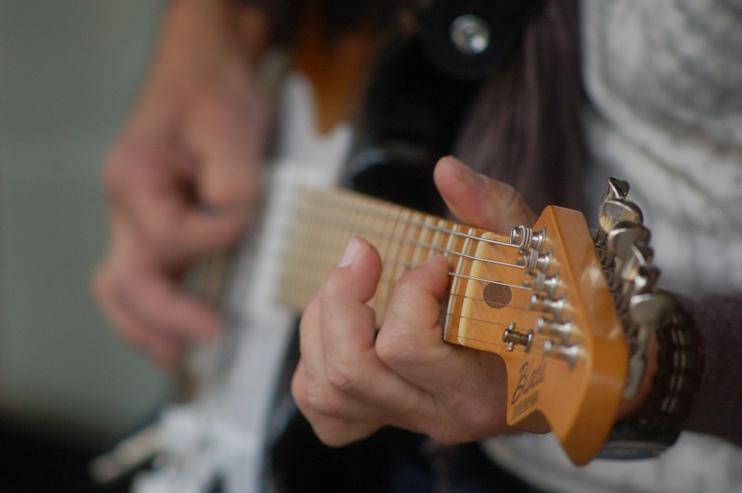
384 288
365 213
309 278
318 195
444 251
388 264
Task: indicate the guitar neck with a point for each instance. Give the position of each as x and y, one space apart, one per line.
326 219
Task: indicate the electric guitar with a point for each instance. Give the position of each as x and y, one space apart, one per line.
552 300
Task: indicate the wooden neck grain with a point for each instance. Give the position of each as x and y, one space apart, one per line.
324 222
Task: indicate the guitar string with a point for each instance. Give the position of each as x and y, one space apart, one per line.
314 250
368 211
311 281
380 213
306 228
495 341
407 266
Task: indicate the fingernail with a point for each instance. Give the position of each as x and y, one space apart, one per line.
351 252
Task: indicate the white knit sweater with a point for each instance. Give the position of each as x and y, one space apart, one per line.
664 80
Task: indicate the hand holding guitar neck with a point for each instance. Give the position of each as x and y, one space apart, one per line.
350 383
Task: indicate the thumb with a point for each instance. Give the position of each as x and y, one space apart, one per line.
480 201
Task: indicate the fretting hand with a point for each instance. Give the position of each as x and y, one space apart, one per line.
350 382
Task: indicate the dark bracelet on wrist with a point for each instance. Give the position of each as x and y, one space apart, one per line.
658 423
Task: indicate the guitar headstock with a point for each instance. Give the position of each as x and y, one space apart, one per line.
541 302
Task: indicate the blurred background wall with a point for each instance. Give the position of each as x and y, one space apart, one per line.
69 71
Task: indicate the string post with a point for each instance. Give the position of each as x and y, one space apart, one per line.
526 239
533 262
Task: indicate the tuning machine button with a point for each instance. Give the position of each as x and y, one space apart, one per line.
615 189
564 331
543 284
532 261
567 352
625 235
636 270
649 312
555 307
616 211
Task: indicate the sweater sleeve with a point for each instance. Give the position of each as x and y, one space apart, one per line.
717 406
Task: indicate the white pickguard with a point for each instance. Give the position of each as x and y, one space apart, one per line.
224 431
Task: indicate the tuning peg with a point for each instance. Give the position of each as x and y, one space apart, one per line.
541 283
532 262
557 308
567 352
564 331
615 211
623 236
637 257
615 189
618 246
653 309
649 311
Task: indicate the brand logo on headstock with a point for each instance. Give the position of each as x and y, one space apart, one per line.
530 376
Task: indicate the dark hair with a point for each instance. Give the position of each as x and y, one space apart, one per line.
524 128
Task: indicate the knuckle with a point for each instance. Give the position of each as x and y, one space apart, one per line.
393 345
343 375
322 400
407 290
